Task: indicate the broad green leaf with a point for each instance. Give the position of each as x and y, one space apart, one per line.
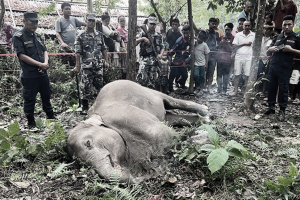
5 145
13 129
3 134
39 123
31 149
20 142
12 152
293 170
234 144
212 134
216 159
234 152
208 147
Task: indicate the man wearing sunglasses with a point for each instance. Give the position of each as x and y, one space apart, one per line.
33 57
88 47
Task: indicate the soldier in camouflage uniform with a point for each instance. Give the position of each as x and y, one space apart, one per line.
148 63
88 46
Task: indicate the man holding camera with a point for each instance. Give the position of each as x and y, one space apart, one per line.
284 48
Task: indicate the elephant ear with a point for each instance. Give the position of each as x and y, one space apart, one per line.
94 120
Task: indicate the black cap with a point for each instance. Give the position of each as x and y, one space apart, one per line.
32 16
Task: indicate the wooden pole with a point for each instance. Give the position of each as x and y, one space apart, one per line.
90 6
2 13
131 52
190 14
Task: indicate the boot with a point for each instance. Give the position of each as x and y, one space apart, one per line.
281 116
85 107
271 110
31 122
50 115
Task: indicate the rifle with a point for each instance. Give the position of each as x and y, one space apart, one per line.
144 28
77 84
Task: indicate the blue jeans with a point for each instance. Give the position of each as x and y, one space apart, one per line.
199 75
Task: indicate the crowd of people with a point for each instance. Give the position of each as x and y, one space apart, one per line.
163 57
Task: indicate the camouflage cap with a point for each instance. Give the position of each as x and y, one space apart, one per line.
152 20
91 16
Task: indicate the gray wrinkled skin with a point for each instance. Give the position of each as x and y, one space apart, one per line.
125 129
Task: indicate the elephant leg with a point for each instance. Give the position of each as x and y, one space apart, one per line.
181 120
172 103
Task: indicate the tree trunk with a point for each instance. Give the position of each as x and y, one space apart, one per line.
90 6
131 52
250 95
190 14
2 13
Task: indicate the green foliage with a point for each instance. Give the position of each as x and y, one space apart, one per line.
56 140
113 189
16 148
60 170
13 145
111 4
167 7
285 185
46 10
219 154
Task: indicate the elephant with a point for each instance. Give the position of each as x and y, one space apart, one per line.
126 129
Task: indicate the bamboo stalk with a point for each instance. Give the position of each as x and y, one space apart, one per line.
11 13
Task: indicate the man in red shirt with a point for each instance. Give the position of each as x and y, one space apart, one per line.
283 8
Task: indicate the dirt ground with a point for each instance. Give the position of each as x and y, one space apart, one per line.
273 144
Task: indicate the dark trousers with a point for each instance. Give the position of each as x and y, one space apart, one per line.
278 78
31 86
223 70
175 71
199 75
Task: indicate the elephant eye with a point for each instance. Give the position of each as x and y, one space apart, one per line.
88 144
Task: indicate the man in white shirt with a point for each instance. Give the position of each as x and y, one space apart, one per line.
243 41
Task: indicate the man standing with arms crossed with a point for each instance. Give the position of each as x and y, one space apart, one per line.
243 42
33 57
284 48
88 46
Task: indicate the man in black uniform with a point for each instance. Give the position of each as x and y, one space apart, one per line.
284 48
33 57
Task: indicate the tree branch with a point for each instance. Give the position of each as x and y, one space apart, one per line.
156 11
